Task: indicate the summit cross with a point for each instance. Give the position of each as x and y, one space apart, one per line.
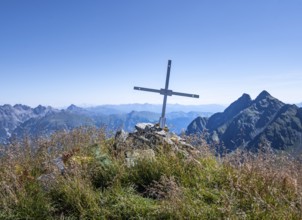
165 92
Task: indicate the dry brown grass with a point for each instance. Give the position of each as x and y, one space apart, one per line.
97 183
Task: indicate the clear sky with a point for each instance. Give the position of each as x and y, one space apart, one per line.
59 52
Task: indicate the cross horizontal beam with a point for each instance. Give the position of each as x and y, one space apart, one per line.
185 94
166 92
146 89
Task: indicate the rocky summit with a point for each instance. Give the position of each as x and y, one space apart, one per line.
248 123
146 140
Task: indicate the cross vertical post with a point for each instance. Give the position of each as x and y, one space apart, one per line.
162 120
165 92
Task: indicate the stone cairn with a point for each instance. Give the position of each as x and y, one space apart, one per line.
146 140
143 143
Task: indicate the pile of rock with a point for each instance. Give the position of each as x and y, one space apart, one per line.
146 139
143 143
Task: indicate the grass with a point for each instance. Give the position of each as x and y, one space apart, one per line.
97 184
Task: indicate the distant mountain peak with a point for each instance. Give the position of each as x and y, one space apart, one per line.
39 109
265 100
249 123
245 98
6 106
76 109
263 95
73 107
20 106
243 102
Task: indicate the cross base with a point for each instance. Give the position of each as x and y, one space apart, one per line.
162 122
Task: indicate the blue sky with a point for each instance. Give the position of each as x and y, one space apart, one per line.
56 52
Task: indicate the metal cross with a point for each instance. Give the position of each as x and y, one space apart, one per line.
165 92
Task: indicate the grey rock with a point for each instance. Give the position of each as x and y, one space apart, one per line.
149 138
176 139
215 137
59 164
168 141
186 145
143 127
121 136
161 133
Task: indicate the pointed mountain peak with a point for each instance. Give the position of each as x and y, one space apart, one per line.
235 108
243 102
73 107
245 97
263 95
39 109
264 100
76 109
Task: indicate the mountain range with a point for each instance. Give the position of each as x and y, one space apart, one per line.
11 117
248 124
20 120
156 108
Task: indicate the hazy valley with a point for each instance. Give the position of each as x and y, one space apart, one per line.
20 120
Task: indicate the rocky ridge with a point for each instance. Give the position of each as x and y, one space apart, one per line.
248 123
13 116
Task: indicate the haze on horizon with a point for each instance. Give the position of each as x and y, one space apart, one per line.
59 53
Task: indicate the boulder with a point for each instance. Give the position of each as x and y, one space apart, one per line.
121 136
143 127
120 140
59 164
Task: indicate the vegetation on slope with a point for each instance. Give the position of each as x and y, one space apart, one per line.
97 184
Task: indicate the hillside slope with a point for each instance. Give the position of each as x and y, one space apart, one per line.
172 183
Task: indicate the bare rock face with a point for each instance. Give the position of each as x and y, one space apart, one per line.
250 123
146 140
12 117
